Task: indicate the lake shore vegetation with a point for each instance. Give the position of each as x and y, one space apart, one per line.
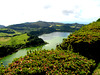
15 43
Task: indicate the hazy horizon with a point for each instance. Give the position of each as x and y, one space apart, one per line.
48 21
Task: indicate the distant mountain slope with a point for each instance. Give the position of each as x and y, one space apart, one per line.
6 32
41 25
2 26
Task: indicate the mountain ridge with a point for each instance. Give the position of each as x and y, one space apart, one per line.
2 26
37 26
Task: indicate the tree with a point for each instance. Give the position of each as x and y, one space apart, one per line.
98 20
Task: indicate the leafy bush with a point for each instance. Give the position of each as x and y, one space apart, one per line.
86 41
97 70
47 62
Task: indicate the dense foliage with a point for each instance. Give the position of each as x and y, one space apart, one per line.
86 41
49 62
34 41
98 20
97 70
62 61
42 31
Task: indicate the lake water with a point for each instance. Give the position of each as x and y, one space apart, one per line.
53 39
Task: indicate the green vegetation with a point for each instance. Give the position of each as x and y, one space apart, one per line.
85 41
49 62
6 32
44 27
12 44
76 55
98 20
42 31
97 70
72 26
58 25
57 29
14 40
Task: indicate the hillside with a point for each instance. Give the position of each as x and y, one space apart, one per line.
6 32
45 26
49 62
12 44
2 26
86 41
76 55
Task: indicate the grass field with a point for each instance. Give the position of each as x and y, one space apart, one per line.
58 25
20 39
5 32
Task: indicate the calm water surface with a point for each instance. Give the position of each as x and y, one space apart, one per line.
53 39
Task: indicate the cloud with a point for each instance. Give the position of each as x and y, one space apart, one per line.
17 11
67 12
47 6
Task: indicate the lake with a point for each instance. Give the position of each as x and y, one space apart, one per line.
53 39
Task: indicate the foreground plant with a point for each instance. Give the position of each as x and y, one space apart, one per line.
86 41
49 62
97 70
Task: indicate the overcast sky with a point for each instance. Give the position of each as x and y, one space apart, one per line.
69 11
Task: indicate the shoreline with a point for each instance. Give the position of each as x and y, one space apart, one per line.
22 48
30 46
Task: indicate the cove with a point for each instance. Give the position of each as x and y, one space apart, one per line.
53 39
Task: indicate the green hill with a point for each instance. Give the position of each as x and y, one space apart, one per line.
6 32
44 26
2 26
76 55
86 41
9 45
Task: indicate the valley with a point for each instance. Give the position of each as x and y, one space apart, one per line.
71 49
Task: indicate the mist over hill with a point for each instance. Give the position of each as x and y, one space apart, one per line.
2 26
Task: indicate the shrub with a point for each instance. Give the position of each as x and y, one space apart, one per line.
86 41
50 62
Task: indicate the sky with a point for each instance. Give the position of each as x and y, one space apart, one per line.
66 11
